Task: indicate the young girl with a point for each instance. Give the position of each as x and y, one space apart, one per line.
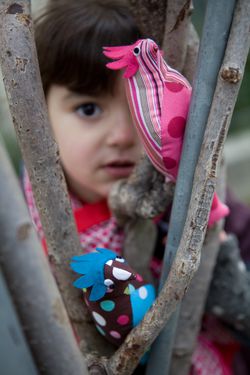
88 109
90 117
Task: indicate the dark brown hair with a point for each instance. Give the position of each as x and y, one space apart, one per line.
70 35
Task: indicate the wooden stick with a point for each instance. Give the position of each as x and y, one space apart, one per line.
15 355
40 153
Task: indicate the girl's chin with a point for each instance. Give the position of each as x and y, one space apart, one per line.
87 195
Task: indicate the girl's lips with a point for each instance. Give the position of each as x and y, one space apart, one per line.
119 169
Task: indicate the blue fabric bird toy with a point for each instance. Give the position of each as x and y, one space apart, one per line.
115 294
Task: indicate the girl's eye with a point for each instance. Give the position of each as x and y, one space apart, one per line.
88 110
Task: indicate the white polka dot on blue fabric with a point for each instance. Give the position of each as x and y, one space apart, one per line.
99 319
143 293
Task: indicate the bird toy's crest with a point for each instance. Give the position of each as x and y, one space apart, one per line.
129 57
125 58
92 267
103 271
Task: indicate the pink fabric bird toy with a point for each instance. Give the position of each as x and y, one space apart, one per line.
159 99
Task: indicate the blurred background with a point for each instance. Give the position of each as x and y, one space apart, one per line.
237 150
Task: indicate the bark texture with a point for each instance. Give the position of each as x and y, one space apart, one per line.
151 17
176 34
144 194
167 22
40 153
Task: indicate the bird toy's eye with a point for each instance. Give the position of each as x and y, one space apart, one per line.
109 283
137 51
120 259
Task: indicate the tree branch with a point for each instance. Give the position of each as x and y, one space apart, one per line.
143 195
40 153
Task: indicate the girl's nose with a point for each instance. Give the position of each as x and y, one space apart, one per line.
122 131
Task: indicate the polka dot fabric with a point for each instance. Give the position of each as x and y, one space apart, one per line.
126 297
115 314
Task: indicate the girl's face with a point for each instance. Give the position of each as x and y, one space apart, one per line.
97 141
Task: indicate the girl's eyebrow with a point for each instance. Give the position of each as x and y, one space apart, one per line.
74 95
